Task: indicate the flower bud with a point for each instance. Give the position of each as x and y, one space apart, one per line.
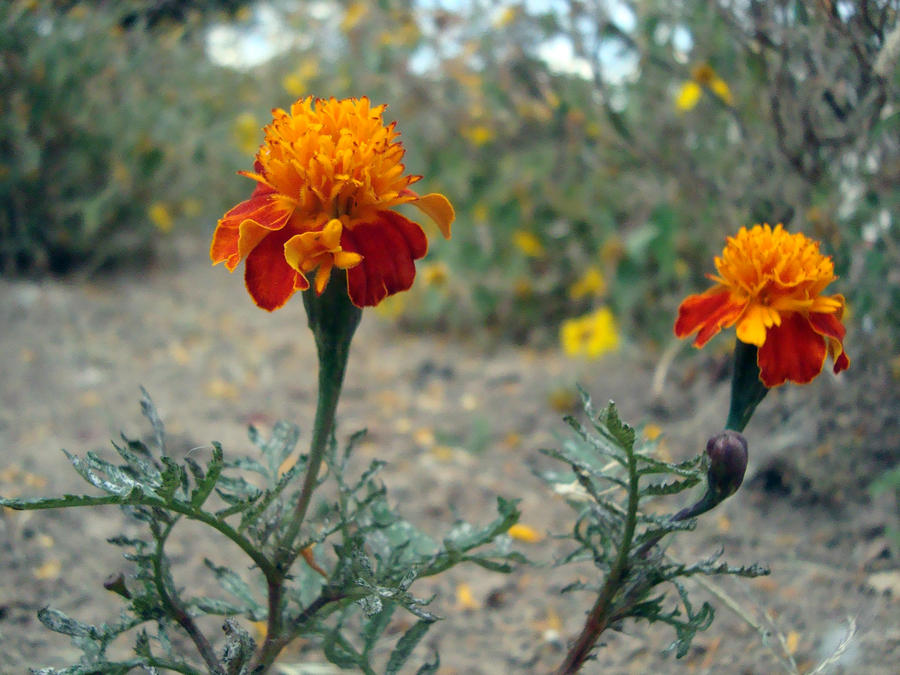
116 584
727 453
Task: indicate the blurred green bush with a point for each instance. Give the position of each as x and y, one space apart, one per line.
110 133
598 154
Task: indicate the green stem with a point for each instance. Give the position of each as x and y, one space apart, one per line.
333 319
173 607
747 390
602 613
331 376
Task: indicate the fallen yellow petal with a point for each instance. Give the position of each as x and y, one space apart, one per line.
464 597
521 532
49 570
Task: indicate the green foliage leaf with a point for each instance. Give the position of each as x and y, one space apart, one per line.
406 645
239 588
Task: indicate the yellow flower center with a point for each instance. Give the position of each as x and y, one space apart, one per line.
777 270
333 159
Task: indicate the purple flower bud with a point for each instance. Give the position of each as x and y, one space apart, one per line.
727 452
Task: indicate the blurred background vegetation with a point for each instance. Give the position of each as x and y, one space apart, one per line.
598 153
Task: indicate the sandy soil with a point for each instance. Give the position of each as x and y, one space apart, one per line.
459 421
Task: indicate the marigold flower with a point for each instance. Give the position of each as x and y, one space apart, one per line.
329 175
770 284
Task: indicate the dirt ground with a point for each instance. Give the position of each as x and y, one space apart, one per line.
460 421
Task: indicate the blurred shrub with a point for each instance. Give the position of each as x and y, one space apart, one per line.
626 138
107 134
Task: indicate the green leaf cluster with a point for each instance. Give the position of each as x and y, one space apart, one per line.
356 561
612 477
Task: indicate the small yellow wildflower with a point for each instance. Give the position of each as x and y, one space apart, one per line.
591 284
720 88
159 215
688 95
702 76
528 244
591 335
478 135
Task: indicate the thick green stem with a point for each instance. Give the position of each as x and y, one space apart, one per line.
747 390
333 320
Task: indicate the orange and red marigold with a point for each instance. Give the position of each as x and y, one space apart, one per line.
770 284
329 175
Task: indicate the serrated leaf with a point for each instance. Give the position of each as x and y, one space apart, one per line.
405 646
670 488
621 432
146 469
84 469
238 486
217 606
232 583
208 481
277 447
149 411
173 477
142 644
37 503
247 464
59 622
650 465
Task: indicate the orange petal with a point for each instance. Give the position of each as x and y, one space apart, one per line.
239 230
793 351
388 247
437 207
224 246
270 280
707 313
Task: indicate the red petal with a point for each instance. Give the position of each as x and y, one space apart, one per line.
388 246
842 362
270 280
707 312
792 351
830 326
827 324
